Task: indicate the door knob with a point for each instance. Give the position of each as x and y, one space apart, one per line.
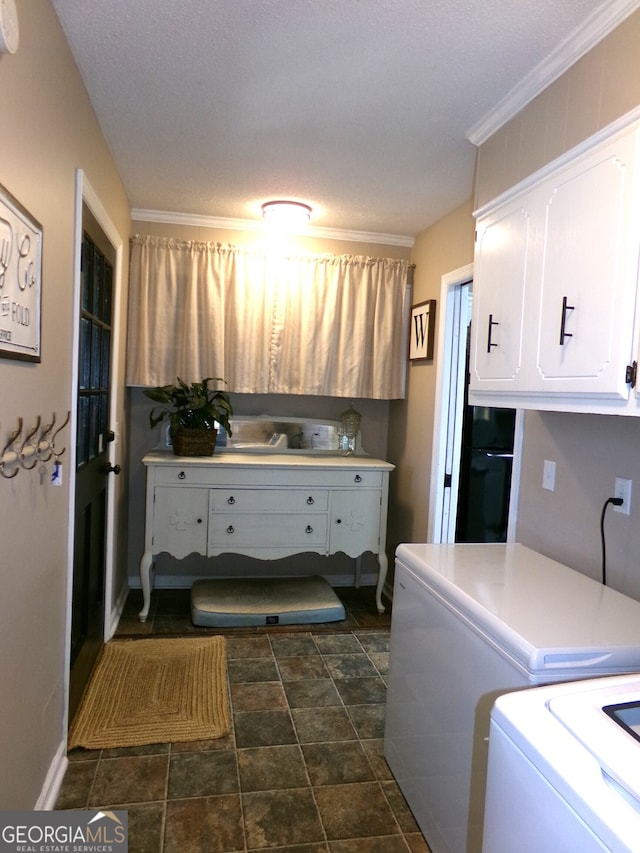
112 469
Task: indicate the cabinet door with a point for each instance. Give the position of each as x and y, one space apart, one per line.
588 275
180 521
502 250
354 522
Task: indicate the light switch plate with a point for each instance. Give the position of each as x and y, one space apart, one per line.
549 475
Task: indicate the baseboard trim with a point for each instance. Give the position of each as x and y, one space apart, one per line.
53 781
117 609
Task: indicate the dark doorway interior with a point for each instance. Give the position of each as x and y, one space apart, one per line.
486 463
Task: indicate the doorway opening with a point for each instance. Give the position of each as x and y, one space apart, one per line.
476 449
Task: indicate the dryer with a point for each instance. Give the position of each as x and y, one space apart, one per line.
564 769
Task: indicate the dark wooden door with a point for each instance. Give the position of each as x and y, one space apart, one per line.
92 464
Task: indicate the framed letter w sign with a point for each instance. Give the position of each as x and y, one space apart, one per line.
422 330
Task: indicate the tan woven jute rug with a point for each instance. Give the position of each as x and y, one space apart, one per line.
154 691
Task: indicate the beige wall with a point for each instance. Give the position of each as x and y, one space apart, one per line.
446 246
48 131
589 450
375 413
602 86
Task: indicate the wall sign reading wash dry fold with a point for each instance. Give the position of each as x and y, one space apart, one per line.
20 280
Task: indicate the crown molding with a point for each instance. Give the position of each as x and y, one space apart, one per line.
580 41
172 218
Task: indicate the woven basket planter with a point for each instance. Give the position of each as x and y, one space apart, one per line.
194 442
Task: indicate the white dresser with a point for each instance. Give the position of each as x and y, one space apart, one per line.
265 506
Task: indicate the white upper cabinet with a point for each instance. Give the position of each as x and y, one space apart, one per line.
589 274
555 284
502 248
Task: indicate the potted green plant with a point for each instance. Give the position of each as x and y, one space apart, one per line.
192 411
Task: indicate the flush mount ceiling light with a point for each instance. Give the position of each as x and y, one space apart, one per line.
289 214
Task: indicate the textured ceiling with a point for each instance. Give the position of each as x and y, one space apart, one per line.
358 107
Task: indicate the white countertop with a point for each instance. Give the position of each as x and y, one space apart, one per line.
305 459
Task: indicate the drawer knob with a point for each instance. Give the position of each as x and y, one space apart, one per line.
309 528
357 478
230 529
199 521
231 500
310 500
338 521
181 475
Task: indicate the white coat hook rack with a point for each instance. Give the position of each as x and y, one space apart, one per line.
27 449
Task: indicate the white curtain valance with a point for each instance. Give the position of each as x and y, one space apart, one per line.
332 325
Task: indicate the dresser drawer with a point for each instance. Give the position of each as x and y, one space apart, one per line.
355 478
264 476
269 500
186 475
364 477
231 531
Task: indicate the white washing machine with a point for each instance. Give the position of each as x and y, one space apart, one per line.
564 769
469 623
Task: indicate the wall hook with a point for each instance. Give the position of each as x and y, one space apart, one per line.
22 454
9 448
44 444
55 452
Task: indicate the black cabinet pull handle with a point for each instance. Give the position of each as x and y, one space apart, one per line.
199 521
357 479
230 529
338 521
492 323
310 500
181 475
309 529
231 500
563 321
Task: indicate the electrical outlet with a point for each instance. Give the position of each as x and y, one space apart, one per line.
623 490
549 475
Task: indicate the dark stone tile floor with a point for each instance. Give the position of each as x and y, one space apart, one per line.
169 614
303 769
